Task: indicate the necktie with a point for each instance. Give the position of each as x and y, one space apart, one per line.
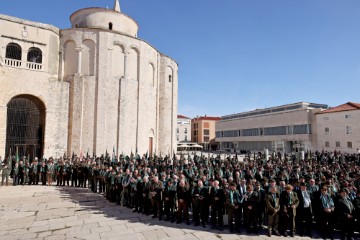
274 197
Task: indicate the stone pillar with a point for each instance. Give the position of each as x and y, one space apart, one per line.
3 124
126 63
78 70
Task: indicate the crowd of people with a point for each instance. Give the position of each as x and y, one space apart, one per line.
285 195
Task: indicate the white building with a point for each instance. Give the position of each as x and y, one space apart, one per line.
338 128
183 129
90 88
287 128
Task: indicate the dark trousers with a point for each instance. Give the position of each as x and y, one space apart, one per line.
234 213
183 210
157 207
204 212
217 216
326 222
196 210
347 228
15 179
287 221
169 209
304 220
43 178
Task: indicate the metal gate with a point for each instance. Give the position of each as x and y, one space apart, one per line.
25 126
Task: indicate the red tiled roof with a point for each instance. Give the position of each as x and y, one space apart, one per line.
349 106
182 116
206 118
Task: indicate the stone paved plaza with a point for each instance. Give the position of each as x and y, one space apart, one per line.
50 212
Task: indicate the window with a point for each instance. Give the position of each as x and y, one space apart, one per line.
250 132
327 131
348 116
337 144
261 131
177 137
326 118
302 129
34 55
110 25
206 139
177 130
170 78
206 125
327 144
348 130
349 144
13 51
186 138
206 132
275 131
185 130
195 132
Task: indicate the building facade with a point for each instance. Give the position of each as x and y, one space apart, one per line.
203 131
90 88
286 128
183 129
338 128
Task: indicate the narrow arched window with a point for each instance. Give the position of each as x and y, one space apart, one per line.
34 55
13 51
170 78
110 26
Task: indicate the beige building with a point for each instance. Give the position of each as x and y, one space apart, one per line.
183 129
290 127
338 128
203 131
91 88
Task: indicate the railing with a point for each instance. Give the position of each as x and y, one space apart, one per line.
12 62
34 66
20 64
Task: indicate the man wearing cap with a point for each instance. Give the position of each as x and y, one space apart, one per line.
288 203
326 217
346 210
169 200
304 211
6 169
233 202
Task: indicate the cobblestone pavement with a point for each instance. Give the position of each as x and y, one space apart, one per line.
50 212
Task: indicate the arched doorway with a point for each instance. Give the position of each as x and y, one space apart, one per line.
25 126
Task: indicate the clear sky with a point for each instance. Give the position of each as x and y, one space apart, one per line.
239 55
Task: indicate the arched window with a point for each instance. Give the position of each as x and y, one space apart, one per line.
34 55
13 51
170 78
110 25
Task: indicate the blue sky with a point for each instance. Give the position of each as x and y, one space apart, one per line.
239 55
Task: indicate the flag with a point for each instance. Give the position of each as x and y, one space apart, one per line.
81 155
113 155
17 155
9 157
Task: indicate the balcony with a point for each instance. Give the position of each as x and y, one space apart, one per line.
23 64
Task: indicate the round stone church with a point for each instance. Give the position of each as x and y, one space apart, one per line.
92 88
